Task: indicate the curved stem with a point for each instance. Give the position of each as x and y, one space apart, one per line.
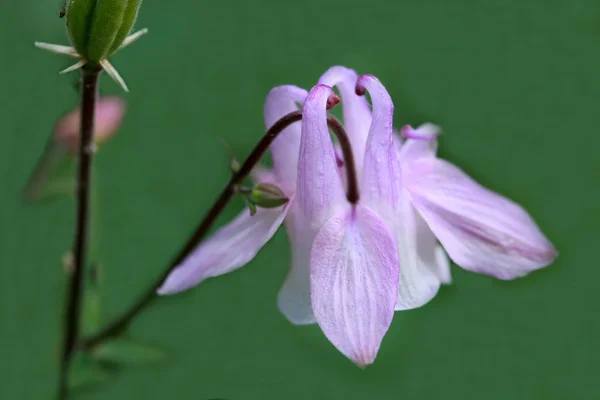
259 150
89 93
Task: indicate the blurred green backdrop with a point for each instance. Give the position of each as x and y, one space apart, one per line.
513 83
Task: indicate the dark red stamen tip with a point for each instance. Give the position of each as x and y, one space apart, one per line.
332 101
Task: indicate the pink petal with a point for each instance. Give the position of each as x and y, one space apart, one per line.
381 172
421 264
229 248
426 132
319 187
293 299
262 174
481 230
424 265
282 100
354 282
357 114
413 149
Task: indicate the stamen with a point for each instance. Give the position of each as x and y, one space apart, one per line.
336 126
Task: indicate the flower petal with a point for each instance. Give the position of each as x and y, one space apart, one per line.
413 149
481 230
282 100
356 111
381 172
383 192
293 299
423 264
354 282
229 248
319 187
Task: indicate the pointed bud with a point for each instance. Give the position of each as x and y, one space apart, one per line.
267 195
98 28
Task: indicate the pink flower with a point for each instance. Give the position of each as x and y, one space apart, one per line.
355 262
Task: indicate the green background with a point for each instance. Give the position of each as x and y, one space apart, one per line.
513 83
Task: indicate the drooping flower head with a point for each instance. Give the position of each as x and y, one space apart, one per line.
357 258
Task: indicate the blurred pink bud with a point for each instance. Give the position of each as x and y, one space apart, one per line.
109 116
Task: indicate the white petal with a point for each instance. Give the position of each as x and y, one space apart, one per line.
294 297
423 264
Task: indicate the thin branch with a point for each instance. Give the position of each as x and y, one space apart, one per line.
89 92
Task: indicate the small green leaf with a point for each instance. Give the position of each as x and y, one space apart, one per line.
86 371
125 351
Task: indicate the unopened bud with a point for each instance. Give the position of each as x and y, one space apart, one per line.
98 27
267 195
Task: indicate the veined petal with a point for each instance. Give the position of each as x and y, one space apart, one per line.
421 264
282 100
481 230
354 282
381 171
356 111
229 248
319 187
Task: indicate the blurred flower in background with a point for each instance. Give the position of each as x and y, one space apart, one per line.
55 171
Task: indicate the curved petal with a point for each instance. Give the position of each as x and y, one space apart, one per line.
319 187
280 101
423 264
413 149
293 299
381 171
354 282
382 191
229 248
356 111
427 131
481 230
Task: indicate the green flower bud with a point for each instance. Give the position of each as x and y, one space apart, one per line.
97 28
267 195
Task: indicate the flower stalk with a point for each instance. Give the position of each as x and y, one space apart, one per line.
89 94
121 323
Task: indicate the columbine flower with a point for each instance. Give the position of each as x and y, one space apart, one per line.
97 30
345 256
